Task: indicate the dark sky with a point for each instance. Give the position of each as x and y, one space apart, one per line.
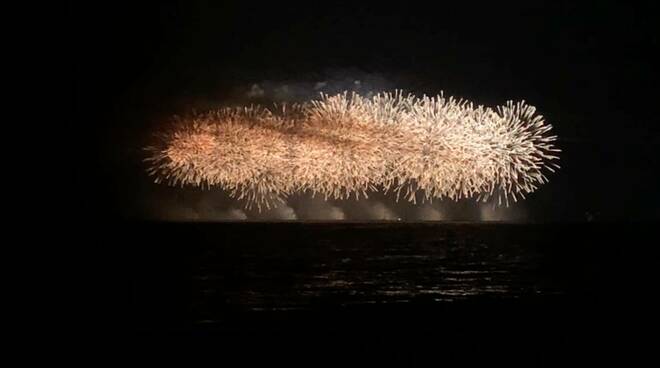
587 67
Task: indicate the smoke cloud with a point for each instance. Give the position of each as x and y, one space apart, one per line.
332 82
428 212
316 209
279 213
514 213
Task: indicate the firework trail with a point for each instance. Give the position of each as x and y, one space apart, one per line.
345 146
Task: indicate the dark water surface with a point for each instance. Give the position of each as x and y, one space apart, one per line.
315 276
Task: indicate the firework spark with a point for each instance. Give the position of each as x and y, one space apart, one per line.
345 146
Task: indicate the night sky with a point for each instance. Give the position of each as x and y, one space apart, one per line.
587 67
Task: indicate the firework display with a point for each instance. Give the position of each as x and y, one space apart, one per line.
347 145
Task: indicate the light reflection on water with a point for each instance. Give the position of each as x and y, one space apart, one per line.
342 270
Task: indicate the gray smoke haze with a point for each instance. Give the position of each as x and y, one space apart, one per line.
374 208
514 213
316 208
164 203
429 212
379 211
168 205
281 212
232 214
338 81
217 206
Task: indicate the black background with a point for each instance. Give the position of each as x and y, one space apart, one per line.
589 66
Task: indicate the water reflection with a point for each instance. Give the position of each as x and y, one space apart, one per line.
344 265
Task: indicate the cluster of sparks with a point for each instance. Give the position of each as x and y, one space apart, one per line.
347 145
